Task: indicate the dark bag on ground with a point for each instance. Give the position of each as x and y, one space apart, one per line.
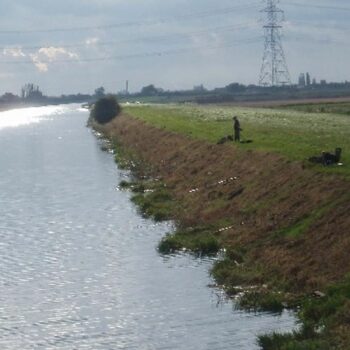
327 158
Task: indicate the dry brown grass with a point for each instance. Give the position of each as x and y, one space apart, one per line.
291 220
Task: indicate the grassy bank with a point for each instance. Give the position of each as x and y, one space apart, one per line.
294 134
281 226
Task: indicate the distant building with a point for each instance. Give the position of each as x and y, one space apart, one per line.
323 82
314 82
125 92
199 88
302 80
308 79
127 87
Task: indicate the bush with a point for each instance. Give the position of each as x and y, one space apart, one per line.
105 109
293 341
169 244
200 243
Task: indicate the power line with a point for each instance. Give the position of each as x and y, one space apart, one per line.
140 55
198 15
325 7
168 37
323 41
319 25
142 39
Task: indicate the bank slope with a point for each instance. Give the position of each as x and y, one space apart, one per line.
285 226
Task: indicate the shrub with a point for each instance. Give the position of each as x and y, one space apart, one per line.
169 244
200 243
105 109
207 245
293 341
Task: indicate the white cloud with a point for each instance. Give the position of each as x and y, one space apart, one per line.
41 66
14 52
45 55
53 53
91 41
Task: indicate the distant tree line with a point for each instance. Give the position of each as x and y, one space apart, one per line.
236 92
31 94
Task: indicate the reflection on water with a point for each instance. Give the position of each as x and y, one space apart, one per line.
78 265
24 116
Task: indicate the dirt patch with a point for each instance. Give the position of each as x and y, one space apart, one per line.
292 221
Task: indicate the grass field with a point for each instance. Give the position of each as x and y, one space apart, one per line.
293 133
329 108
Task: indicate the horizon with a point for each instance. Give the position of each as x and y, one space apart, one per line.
199 88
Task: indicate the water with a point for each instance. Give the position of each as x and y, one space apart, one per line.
78 265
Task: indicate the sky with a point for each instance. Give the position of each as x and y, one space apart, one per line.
72 46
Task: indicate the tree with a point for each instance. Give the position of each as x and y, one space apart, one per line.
235 87
9 97
100 92
105 109
149 90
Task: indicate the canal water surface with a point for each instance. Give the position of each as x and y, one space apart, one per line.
79 267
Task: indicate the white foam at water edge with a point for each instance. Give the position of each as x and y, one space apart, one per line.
25 116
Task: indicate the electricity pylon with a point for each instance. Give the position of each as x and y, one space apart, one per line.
274 70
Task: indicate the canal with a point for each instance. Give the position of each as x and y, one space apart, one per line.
78 265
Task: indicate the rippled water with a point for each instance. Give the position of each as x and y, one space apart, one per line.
78 265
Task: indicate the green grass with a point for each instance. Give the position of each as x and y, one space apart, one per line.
200 241
157 204
152 197
245 281
263 300
330 108
126 160
294 341
325 323
300 227
296 135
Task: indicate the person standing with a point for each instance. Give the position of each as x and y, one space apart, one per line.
237 129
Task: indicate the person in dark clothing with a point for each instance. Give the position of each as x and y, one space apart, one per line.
237 129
